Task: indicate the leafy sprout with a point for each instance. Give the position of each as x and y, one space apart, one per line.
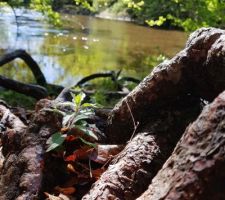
74 119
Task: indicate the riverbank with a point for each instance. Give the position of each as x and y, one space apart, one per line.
104 14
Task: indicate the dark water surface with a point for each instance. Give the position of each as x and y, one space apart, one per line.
83 45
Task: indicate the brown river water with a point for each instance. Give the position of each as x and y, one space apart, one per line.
83 45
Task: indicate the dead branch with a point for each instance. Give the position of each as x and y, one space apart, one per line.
31 63
35 91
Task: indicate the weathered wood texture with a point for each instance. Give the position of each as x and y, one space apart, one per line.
195 170
132 170
21 174
196 70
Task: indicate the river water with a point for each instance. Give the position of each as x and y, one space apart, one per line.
83 45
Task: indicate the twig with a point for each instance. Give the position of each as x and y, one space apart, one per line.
89 163
136 124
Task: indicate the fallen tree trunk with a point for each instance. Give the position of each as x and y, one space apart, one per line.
196 70
195 170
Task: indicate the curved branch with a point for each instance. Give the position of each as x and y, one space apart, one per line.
31 63
94 76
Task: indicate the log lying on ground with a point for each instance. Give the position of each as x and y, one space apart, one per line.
22 54
196 70
195 170
133 169
21 175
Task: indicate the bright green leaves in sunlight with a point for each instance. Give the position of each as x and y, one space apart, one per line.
75 121
158 22
45 6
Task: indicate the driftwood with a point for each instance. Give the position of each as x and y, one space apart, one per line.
151 119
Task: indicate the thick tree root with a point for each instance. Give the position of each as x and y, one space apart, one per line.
195 170
132 170
196 70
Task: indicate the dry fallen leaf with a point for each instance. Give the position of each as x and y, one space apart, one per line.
60 197
82 153
52 197
105 152
66 191
97 173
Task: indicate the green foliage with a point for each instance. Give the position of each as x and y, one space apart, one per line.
73 119
188 15
45 6
55 141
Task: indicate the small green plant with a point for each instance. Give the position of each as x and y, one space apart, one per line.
75 118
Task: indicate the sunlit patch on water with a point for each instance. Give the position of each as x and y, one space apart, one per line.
84 45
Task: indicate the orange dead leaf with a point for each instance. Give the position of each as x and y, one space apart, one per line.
82 153
71 138
97 173
105 152
66 191
64 129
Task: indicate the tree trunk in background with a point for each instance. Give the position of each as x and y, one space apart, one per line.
197 70
195 169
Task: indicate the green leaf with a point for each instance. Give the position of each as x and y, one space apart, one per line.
77 99
55 141
91 105
88 143
80 117
87 131
68 120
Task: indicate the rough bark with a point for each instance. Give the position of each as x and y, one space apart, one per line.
21 175
22 54
195 170
132 170
196 70
35 91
